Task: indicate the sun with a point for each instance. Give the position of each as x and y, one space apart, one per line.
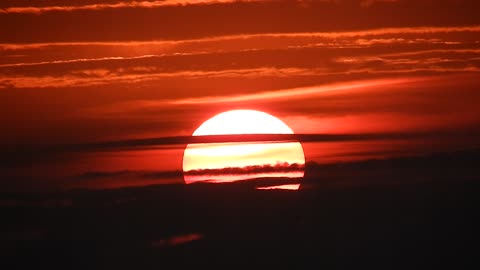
243 122
280 163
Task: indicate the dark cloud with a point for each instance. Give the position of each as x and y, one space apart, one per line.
459 165
97 174
129 173
109 179
21 156
182 141
253 169
435 167
177 240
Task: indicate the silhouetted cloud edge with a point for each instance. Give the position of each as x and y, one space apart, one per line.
247 170
182 141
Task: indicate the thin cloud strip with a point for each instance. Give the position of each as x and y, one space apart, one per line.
129 4
23 155
311 91
120 58
103 77
181 141
145 4
100 77
296 92
345 34
78 60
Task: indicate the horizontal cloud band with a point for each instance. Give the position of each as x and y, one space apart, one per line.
16 155
242 138
252 169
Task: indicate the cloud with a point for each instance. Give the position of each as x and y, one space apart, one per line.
177 240
367 66
363 106
436 166
129 173
378 169
29 152
39 8
182 141
178 174
108 179
120 4
75 61
296 93
98 77
289 16
281 187
374 32
248 170
264 175
338 55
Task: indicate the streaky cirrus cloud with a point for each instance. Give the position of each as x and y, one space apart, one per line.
240 37
75 61
105 71
99 77
56 6
381 51
224 19
310 91
115 5
263 72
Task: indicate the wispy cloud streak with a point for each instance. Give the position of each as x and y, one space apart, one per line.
338 34
125 4
77 61
296 92
243 138
103 76
39 8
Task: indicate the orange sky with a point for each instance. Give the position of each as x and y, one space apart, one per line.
73 72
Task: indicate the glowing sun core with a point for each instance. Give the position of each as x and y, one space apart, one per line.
243 122
226 162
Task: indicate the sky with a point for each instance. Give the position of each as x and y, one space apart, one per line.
99 71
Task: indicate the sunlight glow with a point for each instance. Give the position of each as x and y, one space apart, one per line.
218 156
243 122
286 187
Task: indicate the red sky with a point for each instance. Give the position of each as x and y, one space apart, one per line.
74 72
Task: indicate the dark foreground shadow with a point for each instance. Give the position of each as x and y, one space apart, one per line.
408 223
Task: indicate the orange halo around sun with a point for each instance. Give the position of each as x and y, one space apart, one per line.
227 162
